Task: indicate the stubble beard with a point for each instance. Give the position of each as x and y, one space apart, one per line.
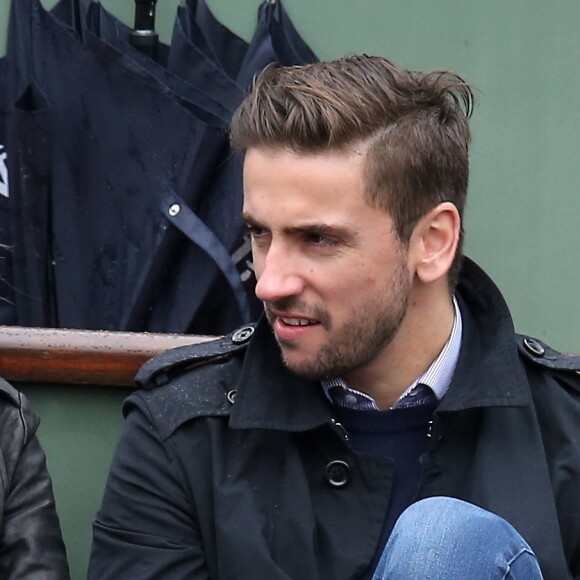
356 344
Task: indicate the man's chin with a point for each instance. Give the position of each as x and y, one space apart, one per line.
306 365
304 368
293 363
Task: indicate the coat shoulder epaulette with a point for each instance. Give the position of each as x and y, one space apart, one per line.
539 353
193 381
159 370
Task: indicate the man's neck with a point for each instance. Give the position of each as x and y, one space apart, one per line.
425 330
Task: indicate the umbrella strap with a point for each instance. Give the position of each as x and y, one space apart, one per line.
189 224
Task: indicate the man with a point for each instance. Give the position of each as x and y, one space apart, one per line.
384 383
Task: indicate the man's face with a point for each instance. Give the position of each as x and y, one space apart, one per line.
331 272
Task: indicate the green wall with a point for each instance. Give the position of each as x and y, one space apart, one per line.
522 219
79 428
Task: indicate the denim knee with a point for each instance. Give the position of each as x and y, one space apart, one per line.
447 538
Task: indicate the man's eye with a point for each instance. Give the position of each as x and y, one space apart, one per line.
321 240
254 232
258 235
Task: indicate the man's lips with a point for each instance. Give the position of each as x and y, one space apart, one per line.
292 321
291 326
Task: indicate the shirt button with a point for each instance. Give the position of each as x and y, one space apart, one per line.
338 473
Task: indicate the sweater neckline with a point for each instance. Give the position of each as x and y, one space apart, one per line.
390 421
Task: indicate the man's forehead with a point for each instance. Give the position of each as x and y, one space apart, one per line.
334 170
312 185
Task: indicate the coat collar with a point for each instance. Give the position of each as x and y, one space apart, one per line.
271 397
489 372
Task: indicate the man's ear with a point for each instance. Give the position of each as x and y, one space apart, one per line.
434 242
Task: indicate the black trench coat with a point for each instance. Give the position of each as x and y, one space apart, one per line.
225 471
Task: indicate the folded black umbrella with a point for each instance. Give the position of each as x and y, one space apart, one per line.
218 41
197 297
191 57
275 40
126 151
29 169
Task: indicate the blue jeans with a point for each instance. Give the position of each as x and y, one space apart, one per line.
442 538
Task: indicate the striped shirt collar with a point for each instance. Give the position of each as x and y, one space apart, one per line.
431 385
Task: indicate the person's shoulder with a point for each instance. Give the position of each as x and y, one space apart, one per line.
543 360
9 395
540 354
191 381
165 367
16 415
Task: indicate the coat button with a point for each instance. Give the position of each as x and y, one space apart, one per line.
242 334
534 347
338 473
231 396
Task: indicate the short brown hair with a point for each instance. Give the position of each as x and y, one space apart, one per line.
413 124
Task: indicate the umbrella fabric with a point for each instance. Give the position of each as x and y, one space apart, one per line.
219 41
188 58
220 208
28 130
175 305
121 143
28 163
275 40
108 38
212 311
288 45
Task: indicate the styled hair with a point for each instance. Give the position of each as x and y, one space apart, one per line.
412 125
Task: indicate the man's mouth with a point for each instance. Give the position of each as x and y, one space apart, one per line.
297 321
295 317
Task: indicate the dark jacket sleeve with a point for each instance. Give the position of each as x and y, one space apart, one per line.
145 528
31 544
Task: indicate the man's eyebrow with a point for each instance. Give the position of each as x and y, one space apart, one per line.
316 228
323 229
249 221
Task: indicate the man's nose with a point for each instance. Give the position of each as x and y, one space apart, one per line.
278 276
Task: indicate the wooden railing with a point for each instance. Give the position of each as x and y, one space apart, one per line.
92 357
47 355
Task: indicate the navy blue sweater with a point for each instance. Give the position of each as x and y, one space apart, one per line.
400 437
